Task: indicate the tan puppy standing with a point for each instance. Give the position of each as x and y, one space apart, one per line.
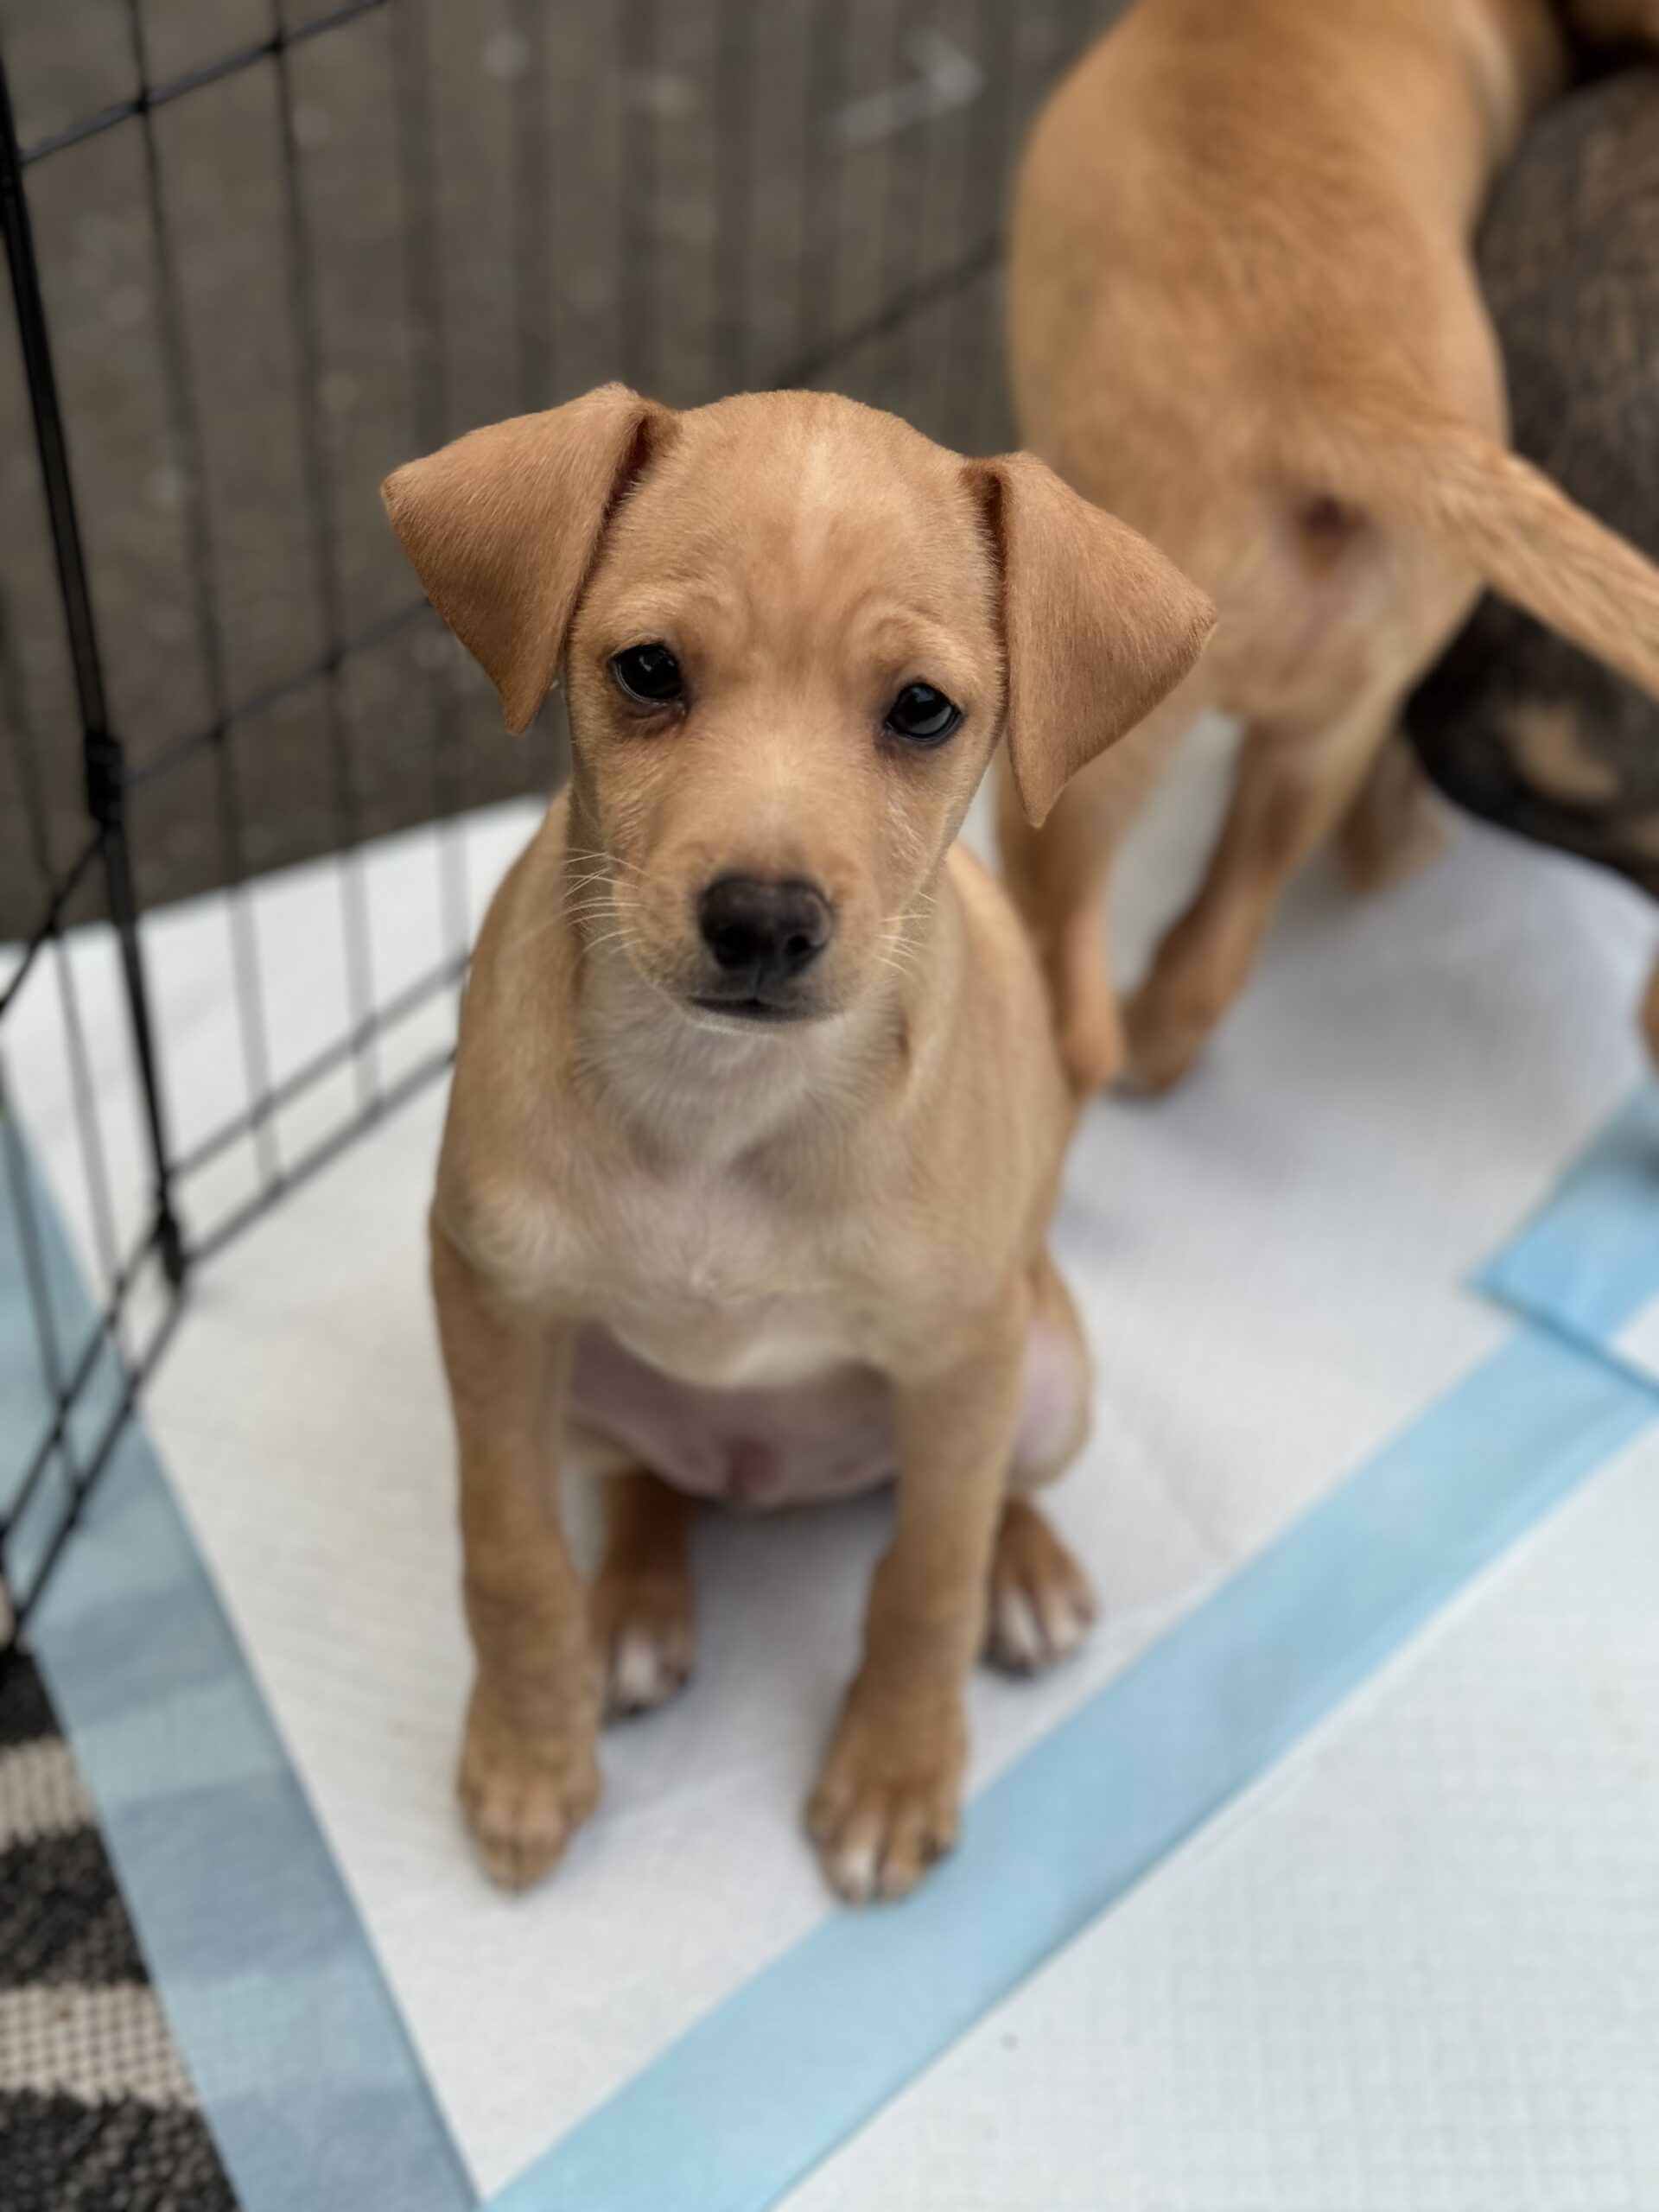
1243 316
757 1118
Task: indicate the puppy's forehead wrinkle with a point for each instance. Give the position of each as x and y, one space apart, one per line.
814 485
675 597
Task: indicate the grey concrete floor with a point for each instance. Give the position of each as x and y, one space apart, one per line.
285 282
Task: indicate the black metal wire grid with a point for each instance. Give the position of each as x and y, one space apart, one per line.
703 198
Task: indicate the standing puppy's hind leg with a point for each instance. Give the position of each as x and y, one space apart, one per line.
1058 876
1291 788
1397 824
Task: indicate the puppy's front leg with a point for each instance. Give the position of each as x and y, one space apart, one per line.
887 1801
528 1766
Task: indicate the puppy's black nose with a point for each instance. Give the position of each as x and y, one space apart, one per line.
764 934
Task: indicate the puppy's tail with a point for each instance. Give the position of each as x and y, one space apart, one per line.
1384 444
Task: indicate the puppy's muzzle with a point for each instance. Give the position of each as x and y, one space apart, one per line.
760 939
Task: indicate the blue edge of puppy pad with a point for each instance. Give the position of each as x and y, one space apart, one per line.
1587 1262
306 2076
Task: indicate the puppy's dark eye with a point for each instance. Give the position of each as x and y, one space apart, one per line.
649 674
923 715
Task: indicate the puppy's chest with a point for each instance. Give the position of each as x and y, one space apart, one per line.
702 1276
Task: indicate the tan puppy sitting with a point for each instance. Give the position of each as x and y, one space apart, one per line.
757 1115
1243 316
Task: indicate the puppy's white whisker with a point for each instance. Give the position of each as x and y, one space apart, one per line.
580 912
608 863
597 902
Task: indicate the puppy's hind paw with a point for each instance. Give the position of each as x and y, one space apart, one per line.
1041 1603
642 1627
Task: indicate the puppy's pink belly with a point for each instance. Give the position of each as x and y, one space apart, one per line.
812 1440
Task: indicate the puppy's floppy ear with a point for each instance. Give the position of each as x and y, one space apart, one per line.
503 525
1098 625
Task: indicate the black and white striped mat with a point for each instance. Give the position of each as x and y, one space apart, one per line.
96 2112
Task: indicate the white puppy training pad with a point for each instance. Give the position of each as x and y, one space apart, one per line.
1416 1969
1269 1268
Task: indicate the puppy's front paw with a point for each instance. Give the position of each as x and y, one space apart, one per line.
1040 1602
642 1634
888 1802
524 1799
